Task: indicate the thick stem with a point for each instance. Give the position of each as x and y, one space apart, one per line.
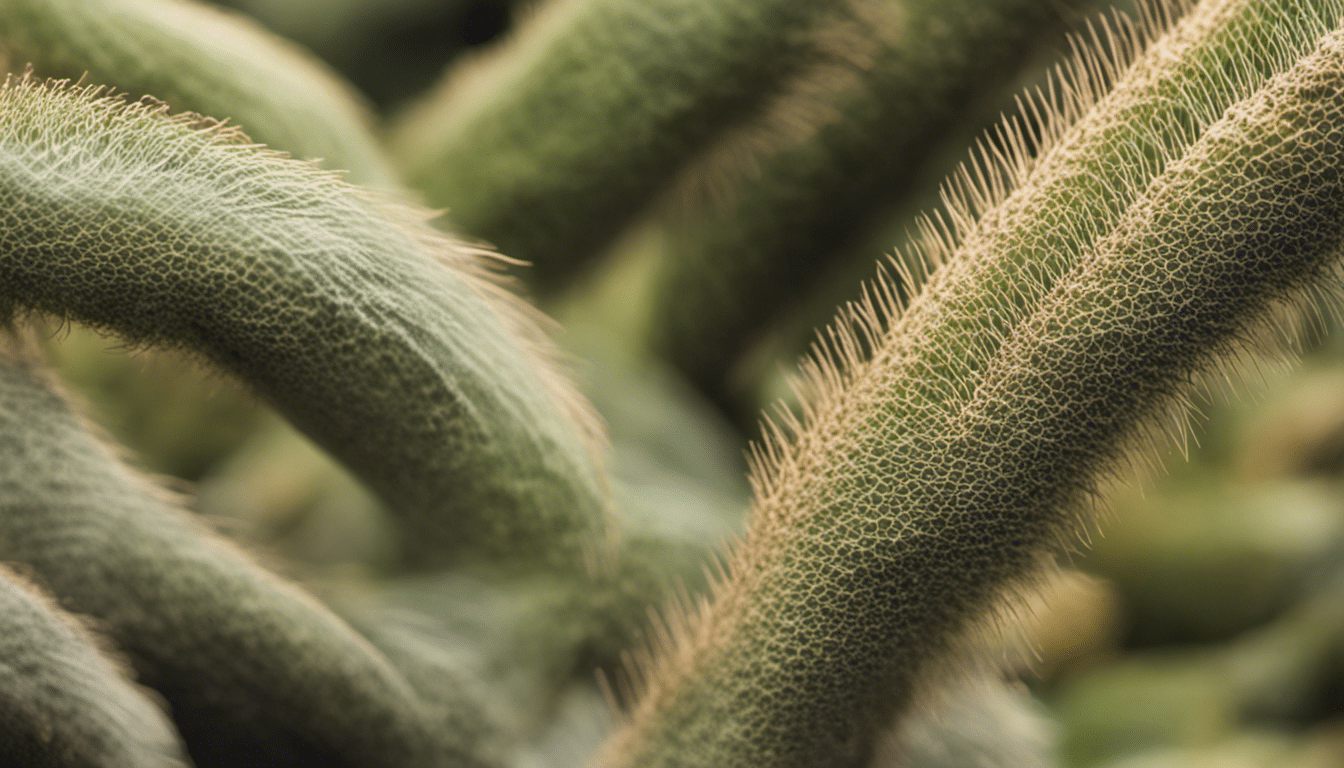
931 481
249 664
549 150
419 375
63 704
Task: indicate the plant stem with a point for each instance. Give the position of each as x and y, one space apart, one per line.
931 482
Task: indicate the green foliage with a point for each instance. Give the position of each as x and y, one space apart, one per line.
1168 196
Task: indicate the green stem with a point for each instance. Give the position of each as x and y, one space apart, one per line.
376 337
205 60
549 150
932 481
248 663
729 272
65 704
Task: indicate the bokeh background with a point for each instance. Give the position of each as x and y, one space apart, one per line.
1200 624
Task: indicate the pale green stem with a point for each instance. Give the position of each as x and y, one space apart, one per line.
730 271
376 337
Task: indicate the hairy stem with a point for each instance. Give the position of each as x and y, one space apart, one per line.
376 337
247 662
931 481
730 271
64 704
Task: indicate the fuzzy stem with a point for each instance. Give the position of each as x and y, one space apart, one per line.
246 661
589 113
424 378
204 60
935 479
63 704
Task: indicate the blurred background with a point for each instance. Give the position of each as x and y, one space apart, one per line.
1200 624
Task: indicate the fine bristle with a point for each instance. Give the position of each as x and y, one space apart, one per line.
835 360
998 166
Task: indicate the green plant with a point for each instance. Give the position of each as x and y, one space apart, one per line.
1167 196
